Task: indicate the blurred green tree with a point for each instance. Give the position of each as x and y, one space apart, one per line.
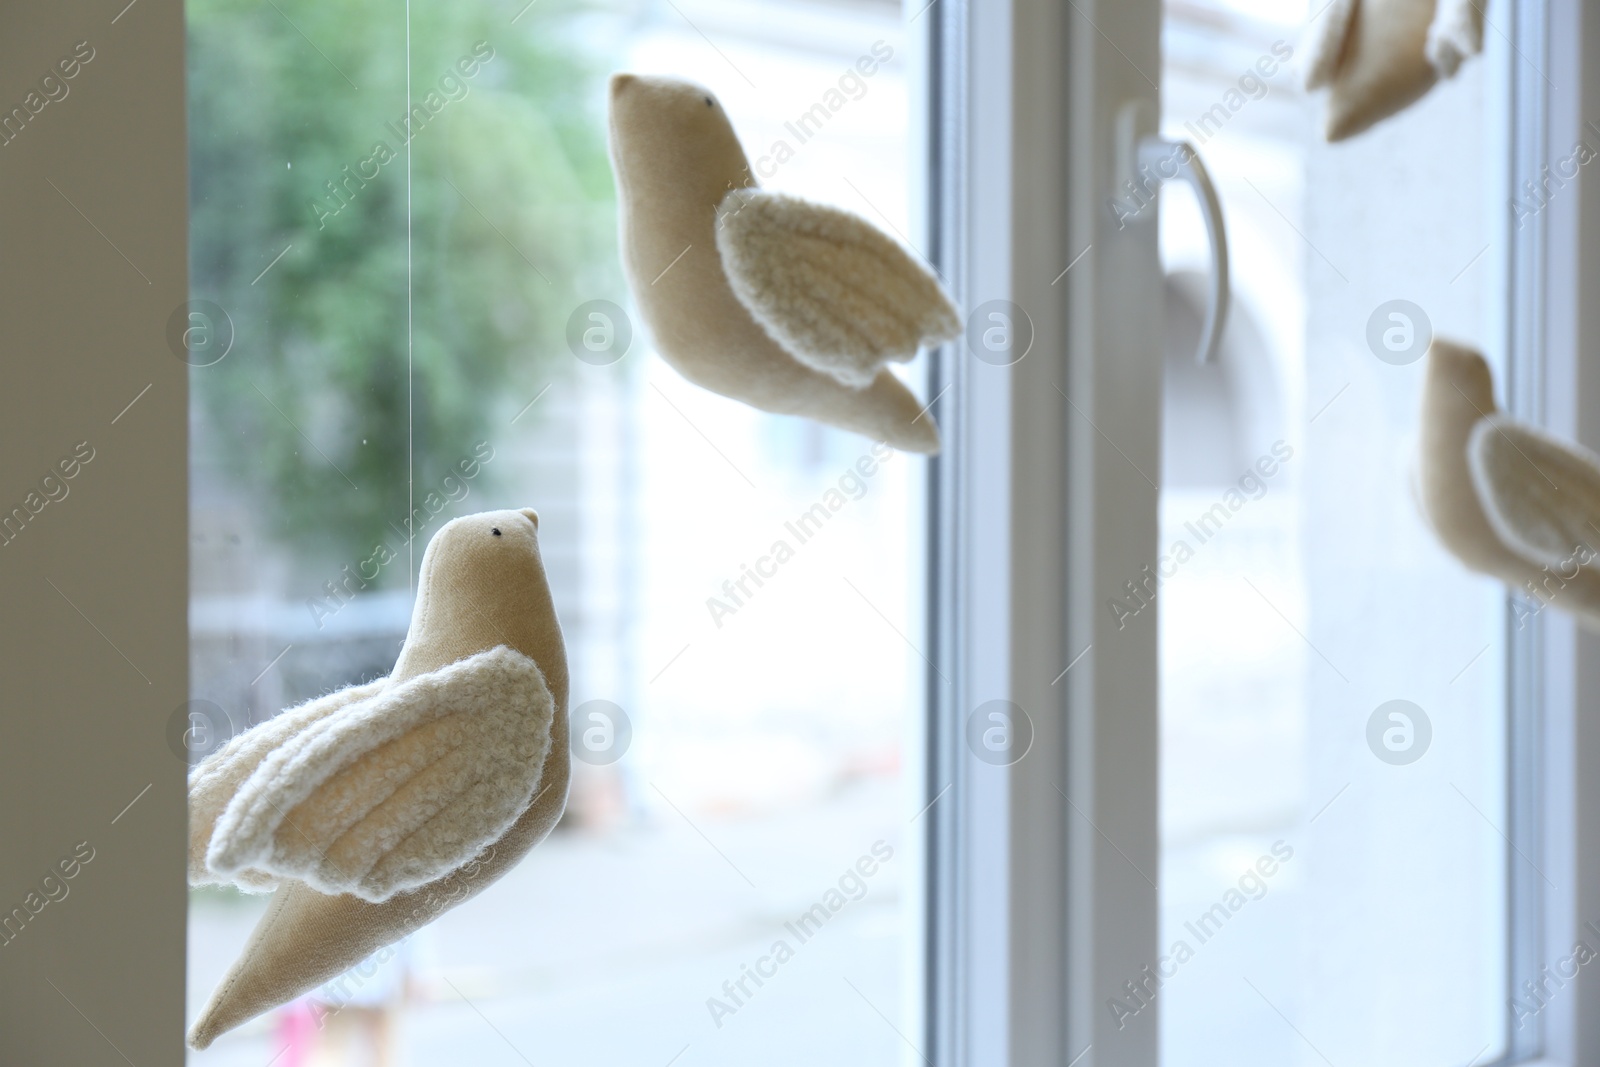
298 145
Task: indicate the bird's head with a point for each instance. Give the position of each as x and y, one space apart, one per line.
1457 395
1457 391
672 135
482 584
482 549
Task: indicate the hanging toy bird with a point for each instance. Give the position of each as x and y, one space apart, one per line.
789 306
1505 498
1376 57
373 810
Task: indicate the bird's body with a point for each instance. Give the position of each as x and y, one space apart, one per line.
414 792
1457 394
680 175
1507 499
1376 57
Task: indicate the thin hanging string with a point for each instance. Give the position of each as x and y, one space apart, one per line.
411 538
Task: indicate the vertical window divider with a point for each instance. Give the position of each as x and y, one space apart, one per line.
1555 381
1041 874
1528 648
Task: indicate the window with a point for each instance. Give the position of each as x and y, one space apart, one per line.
1180 739
1160 756
742 713
1334 719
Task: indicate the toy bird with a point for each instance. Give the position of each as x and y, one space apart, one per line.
1376 57
786 305
1505 498
374 809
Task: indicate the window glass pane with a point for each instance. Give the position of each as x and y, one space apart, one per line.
1333 884
390 346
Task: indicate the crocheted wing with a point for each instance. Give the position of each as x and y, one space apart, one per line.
1541 494
394 789
1456 35
218 777
832 290
1325 42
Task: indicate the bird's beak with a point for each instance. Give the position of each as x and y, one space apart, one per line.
620 83
533 516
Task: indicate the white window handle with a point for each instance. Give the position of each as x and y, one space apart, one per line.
1149 160
1160 156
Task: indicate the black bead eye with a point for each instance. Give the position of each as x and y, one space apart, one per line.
496 531
709 102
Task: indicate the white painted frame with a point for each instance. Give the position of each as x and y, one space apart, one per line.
1555 319
1036 912
1040 906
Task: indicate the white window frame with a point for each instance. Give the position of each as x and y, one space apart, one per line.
1555 264
1035 907
1035 903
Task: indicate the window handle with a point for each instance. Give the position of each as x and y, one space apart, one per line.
1178 160
1146 161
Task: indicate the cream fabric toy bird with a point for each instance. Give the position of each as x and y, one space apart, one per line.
376 808
1507 499
786 305
1376 57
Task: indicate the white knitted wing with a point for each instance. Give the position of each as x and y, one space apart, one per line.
834 291
215 780
396 790
1541 494
1324 43
1455 35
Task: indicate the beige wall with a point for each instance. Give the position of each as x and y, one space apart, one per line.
92 666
